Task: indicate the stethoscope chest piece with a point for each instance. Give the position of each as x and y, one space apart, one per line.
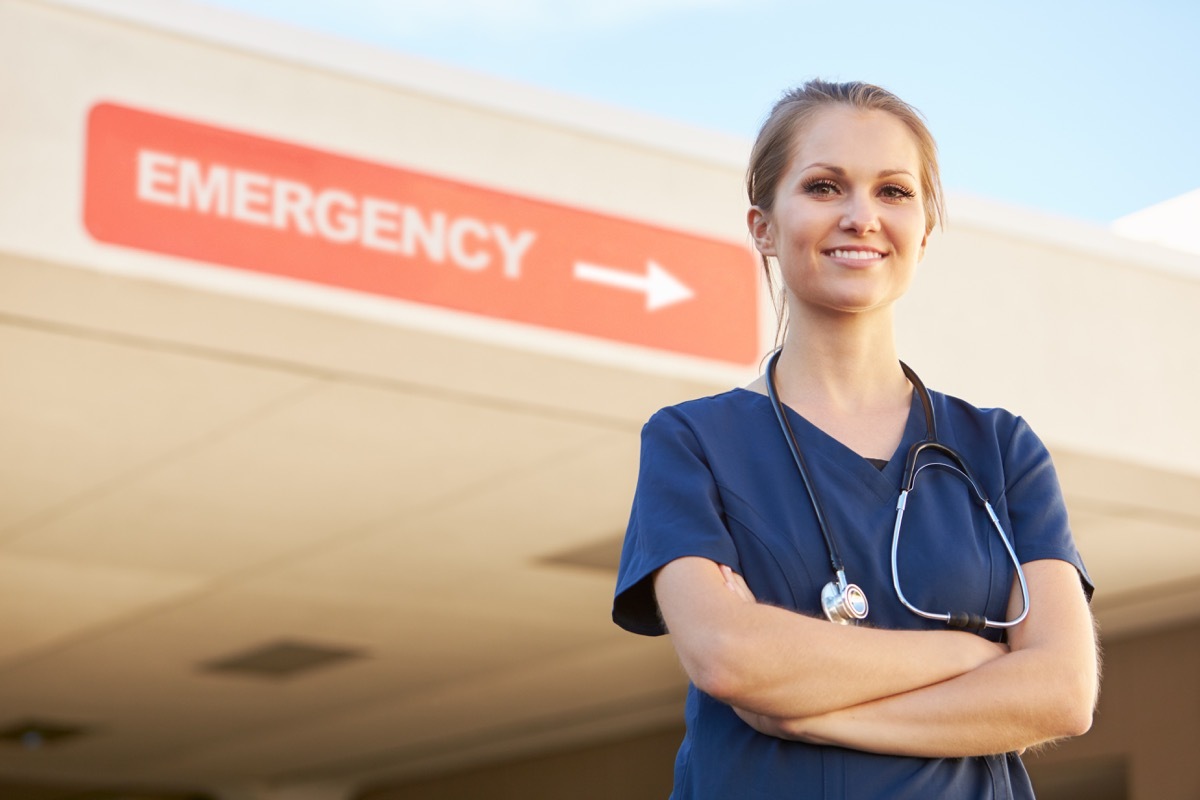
844 603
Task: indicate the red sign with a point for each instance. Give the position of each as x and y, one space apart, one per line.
172 186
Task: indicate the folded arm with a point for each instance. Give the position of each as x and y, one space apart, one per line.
785 665
1044 689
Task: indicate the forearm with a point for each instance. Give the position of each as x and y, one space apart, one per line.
1044 689
1008 704
777 662
784 663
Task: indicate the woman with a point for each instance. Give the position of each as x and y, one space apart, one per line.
723 549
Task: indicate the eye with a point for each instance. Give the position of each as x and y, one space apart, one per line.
894 191
820 187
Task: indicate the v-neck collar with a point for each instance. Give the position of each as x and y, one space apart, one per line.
817 444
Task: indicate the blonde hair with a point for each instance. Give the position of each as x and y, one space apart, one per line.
772 152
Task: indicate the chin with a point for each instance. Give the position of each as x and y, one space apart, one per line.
859 305
854 300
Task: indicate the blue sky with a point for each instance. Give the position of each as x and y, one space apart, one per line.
1080 109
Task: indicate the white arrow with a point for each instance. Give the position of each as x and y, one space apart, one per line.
660 287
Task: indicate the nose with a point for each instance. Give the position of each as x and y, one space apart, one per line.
860 215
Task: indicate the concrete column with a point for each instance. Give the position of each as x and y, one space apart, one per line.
1165 740
1148 723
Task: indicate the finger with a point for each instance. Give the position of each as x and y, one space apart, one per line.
743 588
728 576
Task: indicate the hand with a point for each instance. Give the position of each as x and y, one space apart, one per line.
736 584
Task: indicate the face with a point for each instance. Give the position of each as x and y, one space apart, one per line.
848 225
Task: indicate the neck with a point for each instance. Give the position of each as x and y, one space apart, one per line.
846 360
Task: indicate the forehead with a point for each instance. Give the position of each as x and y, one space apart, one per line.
850 137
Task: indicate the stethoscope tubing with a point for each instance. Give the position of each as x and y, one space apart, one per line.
961 620
835 556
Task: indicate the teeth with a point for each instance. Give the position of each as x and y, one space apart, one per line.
861 255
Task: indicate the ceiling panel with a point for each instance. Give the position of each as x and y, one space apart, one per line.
159 702
484 538
1126 553
45 603
547 695
1123 487
325 465
78 413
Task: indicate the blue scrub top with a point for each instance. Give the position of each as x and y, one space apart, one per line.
717 481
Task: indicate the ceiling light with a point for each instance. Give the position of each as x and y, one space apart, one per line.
282 659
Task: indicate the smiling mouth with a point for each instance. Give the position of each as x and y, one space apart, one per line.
855 255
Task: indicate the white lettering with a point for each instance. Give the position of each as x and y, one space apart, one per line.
335 216
251 197
459 230
380 217
292 201
432 237
156 177
512 250
203 192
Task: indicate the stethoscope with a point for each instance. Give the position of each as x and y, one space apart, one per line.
844 602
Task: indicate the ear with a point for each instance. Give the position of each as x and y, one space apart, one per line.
761 230
921 252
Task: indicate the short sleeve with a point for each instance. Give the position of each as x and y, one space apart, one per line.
1035 504
677 512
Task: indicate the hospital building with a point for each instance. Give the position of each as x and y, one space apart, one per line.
322 372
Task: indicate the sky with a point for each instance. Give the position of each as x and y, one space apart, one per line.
1087 110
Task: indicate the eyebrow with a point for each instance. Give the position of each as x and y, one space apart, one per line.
836 170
